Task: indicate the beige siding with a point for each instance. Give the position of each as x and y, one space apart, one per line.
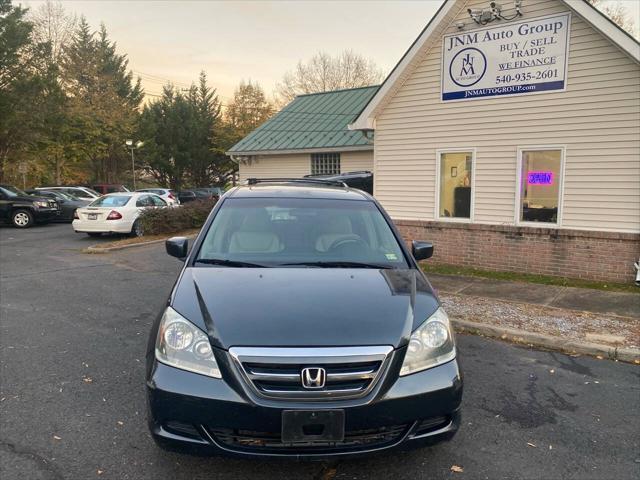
298 165
354 161
597 120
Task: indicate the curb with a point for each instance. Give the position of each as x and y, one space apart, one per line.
98 249
631 355
121 247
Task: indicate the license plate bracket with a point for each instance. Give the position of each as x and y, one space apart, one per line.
301 426
92 216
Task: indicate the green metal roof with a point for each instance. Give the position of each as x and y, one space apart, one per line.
312 121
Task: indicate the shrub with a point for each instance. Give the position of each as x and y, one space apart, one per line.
191 215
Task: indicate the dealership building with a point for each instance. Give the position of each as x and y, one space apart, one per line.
510 137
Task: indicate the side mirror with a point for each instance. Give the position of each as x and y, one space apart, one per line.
421 250
177 247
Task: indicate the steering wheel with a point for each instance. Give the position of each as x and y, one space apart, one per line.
340 242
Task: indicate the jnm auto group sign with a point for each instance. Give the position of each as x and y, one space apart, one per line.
515 59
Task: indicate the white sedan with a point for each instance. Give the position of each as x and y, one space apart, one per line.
166 194
115 213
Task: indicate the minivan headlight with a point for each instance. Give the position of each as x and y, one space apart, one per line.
183 345
430 345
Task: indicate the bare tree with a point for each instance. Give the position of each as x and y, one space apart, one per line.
617 12
53 25
248 109
324 72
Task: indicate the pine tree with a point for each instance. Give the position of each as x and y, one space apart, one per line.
185 137
103 102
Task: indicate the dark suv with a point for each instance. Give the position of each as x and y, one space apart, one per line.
23 210
301 326
362 180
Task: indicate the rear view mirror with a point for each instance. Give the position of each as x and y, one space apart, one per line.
177 247
421 250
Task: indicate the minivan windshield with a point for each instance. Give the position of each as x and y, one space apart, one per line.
290 232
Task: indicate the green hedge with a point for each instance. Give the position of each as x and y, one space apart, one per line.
191 215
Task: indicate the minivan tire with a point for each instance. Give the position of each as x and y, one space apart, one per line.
22 218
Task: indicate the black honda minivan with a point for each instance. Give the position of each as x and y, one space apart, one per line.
301 326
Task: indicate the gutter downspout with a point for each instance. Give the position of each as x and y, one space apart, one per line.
235 159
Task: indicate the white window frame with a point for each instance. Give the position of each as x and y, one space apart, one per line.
439 153
518 205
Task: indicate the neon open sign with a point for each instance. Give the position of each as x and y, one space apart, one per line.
540 178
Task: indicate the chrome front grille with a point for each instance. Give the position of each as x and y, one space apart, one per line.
349 372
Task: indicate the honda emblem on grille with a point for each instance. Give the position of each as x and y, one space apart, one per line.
313 377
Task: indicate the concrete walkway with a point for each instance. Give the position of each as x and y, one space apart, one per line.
583 299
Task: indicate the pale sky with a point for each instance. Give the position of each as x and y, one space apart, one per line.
256 40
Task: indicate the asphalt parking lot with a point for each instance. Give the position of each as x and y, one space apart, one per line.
73 329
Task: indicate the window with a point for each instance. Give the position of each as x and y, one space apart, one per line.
157 201
325 163
11 192
110 201
540 185
455 180
145 201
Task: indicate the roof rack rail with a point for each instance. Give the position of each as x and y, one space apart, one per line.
318 181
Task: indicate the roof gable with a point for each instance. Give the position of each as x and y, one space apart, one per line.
448 11
312 121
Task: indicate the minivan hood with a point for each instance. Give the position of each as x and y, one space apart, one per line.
304 307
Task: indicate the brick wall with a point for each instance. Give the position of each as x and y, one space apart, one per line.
606 256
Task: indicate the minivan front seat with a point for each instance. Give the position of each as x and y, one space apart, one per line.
255 235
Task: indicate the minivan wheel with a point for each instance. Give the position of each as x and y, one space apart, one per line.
136 229
22 218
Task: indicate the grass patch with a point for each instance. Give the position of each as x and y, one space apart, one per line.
527 277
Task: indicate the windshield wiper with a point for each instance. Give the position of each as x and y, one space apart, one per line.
229 263
339 264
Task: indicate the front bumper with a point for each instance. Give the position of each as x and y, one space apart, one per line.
207 415
45 214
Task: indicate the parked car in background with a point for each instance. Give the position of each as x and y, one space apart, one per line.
23 210
362 180
83 193
67 204
115 213
211 192
205 194
104 188
167 194
301 326
187 196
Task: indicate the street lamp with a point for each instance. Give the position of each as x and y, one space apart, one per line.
130 144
